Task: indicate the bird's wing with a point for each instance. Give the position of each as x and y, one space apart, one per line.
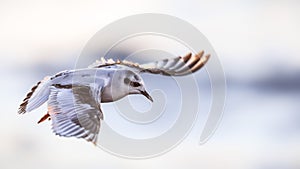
75 111
178 66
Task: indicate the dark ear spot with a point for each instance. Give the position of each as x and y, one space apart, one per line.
126 81
136 77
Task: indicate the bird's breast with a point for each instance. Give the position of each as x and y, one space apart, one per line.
110 95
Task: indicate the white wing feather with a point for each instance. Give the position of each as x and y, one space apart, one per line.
75 112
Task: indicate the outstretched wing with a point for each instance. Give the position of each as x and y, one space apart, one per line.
177 66
75 111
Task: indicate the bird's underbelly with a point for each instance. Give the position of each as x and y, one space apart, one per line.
106 98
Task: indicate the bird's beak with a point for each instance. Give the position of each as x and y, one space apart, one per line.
146 94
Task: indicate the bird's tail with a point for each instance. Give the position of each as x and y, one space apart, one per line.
36 97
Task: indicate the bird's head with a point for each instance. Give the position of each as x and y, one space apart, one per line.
133 83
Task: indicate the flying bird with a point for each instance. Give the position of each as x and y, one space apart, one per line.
74 97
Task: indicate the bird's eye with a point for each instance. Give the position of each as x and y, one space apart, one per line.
135 84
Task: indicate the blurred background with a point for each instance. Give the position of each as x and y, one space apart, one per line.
256 41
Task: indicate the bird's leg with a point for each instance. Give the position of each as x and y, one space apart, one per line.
46 116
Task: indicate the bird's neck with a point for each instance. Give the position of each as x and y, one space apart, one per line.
112 93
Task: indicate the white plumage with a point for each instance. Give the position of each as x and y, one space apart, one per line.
74 97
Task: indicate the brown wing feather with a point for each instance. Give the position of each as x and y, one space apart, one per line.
178 66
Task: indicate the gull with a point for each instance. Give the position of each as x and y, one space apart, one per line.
74 97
